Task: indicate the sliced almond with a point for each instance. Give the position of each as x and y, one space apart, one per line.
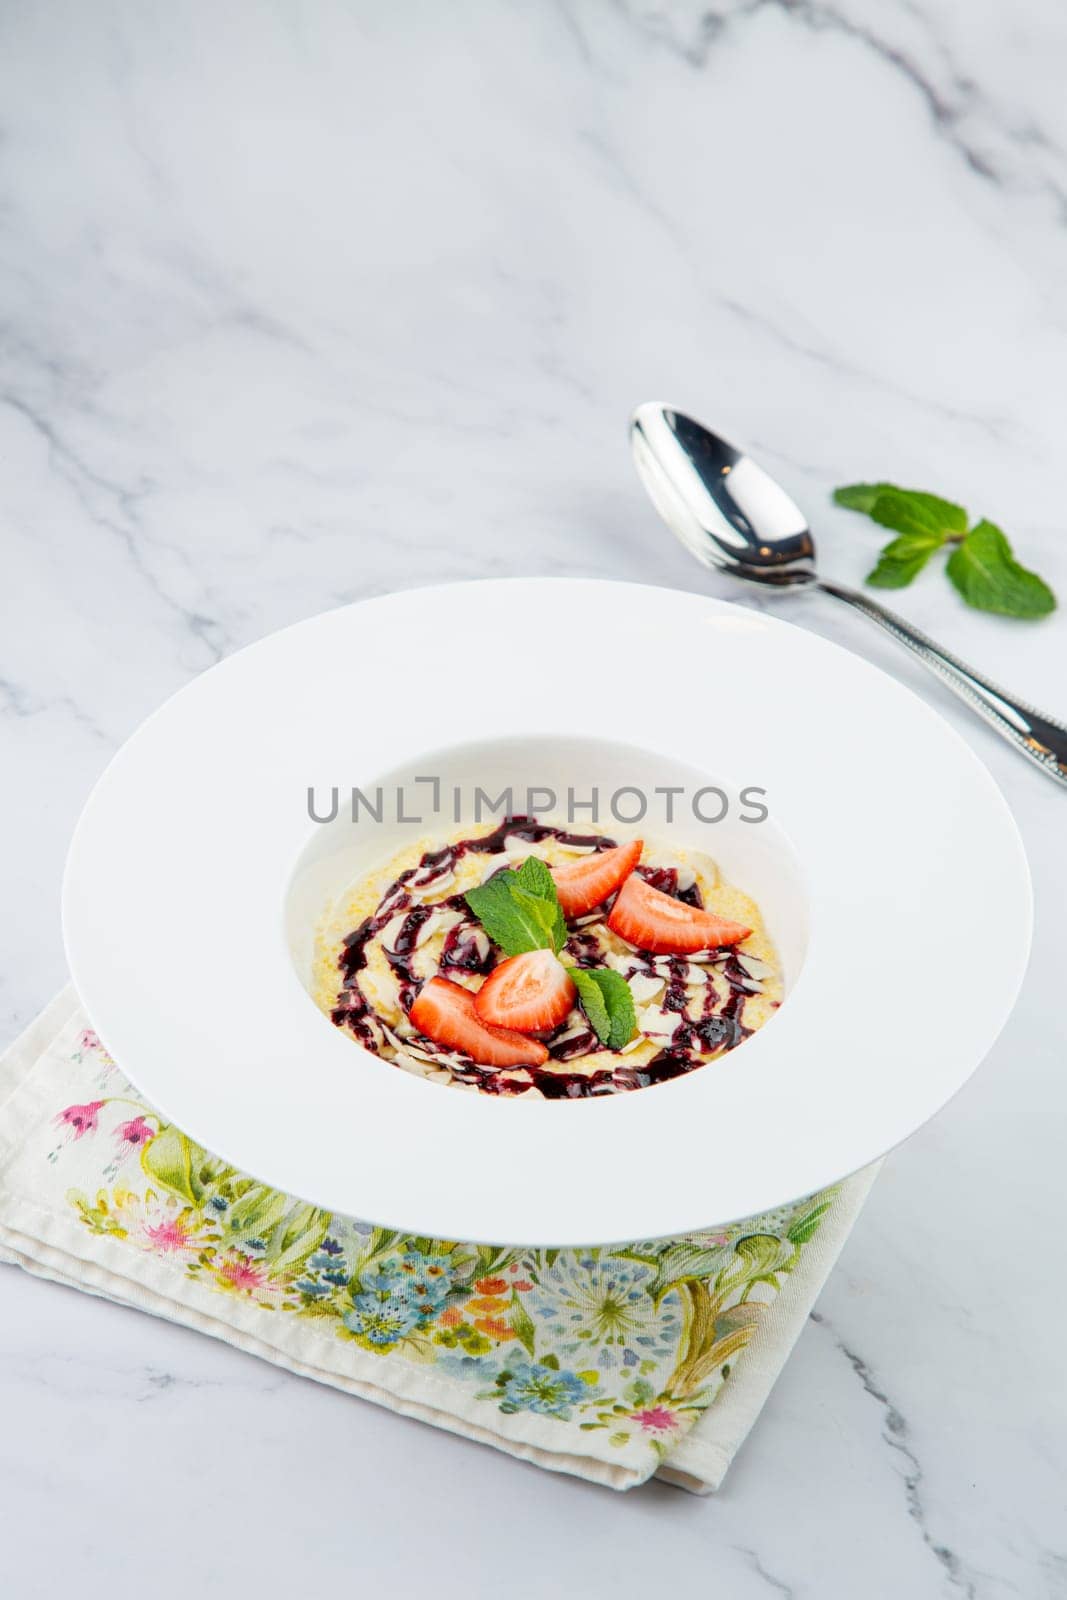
622 961
493 865
657 1022
437 922
643 987
421 890
391 932
477 940
754 966
407 1046
574 1032
638 1039
519 848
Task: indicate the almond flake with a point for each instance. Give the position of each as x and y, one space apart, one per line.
643 987
659 1023
754 966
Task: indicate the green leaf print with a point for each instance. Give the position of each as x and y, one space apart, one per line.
297 1237
168 1159
761 1253
256 1212
805 1227
522 1323
678 1260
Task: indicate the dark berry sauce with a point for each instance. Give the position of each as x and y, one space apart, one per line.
467 949
665 879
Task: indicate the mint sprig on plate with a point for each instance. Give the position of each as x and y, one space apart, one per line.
607 1000
520 911
982 565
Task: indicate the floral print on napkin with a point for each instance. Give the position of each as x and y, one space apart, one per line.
631 1342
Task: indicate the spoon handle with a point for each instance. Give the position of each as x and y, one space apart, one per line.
1041 739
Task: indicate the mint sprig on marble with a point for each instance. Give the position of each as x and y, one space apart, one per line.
982 564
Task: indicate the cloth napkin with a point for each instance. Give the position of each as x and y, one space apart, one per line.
614 1364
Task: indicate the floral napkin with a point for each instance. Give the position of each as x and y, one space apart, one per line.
615 1364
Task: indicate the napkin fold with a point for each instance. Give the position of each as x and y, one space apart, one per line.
615 1364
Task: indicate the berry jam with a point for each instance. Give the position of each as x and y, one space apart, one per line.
709 1013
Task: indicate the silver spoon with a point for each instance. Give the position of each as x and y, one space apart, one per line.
732 516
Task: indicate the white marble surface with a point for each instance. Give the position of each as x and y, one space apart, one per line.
308 302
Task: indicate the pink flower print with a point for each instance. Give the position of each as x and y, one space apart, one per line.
88 1040
242 1273
236 1273
656 1419
80 1119
170 1235
162 1227
134 1133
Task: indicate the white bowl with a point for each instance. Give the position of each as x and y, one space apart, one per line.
890 872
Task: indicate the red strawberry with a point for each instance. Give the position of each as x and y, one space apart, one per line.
444 1012
532 992
655 921
586 883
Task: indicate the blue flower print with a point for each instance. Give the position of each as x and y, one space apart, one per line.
382 1281
313 1290
429 1278
323 1260
472 1368
382 1320
532 1386
602 1307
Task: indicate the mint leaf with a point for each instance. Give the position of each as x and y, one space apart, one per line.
511 926
533 878
982 566
859 496
930 508
901 560
605 997
520 910
905 511
989 578
545 915
922 521
592 1002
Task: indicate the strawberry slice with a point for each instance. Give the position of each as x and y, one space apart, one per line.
532 992
444 1012
586 883
657 922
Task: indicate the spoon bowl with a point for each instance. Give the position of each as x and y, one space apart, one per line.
723 507
732 516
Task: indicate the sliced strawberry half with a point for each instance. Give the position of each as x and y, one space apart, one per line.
657 922
532 992
586 883
445 1013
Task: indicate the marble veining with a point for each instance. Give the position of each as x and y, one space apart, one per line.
898 1437
307 303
